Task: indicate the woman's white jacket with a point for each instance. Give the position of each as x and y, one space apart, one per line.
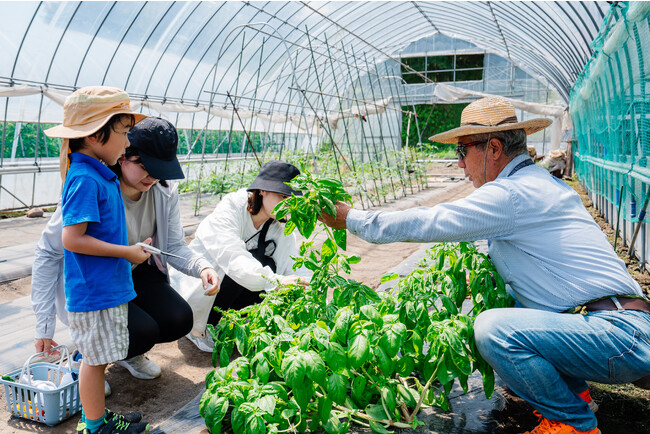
221 237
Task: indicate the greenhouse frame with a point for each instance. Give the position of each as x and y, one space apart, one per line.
304 75
313 123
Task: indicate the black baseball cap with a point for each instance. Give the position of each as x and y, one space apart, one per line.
156 141
273 177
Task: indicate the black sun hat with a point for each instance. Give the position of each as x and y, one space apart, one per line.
273 177
156 141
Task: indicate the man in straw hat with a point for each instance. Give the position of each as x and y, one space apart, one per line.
553 257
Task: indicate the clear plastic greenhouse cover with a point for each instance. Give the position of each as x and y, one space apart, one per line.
179 57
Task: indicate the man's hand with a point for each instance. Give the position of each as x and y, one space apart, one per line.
338 221
210 280
44 345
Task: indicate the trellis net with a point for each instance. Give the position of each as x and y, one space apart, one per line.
610 106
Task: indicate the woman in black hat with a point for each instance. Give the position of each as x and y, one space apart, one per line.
158 314
247 246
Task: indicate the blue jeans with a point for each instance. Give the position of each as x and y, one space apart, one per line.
546 357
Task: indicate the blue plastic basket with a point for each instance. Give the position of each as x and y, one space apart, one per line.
46 406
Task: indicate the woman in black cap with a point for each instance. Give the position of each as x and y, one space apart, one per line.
157 314
248 248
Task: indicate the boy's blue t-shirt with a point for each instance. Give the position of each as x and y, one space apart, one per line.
91 193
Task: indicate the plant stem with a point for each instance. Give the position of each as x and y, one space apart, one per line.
424 390
362 415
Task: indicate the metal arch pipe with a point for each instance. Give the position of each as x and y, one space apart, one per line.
142 47
291 63
412 105
172 39
119 45
92 41
22 41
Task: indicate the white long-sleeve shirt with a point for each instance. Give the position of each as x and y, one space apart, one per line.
221 238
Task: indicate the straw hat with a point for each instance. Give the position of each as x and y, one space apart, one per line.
488 115
85 111
88 109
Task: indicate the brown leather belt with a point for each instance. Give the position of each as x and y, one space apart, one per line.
626 303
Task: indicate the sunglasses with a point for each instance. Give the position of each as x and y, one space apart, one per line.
461 150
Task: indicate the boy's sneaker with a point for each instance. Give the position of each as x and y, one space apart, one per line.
75 363
115 423
134 417
203 343
552 427
141 367
590 402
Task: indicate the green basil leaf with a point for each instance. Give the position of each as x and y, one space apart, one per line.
340 236
372 314
294 369
388 277
263 372
215 410
358 390
388 399
377 412
378 428
384 362
408 395
405 366
337 388
224 356
359 351
241 339
255 424
303 393
315 367
328 250
267 404
324 408
238 421
335 357
289 227
354 259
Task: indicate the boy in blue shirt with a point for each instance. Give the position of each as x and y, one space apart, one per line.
98 284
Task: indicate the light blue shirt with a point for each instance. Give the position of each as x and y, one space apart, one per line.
543 241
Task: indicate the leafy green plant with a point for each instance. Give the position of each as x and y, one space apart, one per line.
374 359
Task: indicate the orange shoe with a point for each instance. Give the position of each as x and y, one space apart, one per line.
587 397
551 427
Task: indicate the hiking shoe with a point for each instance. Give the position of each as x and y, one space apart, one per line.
141 367
115 423
552 427
203 343
586 396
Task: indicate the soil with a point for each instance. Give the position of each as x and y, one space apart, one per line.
15 289
623 408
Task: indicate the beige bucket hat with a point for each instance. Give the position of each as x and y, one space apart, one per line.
488 115
85 111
